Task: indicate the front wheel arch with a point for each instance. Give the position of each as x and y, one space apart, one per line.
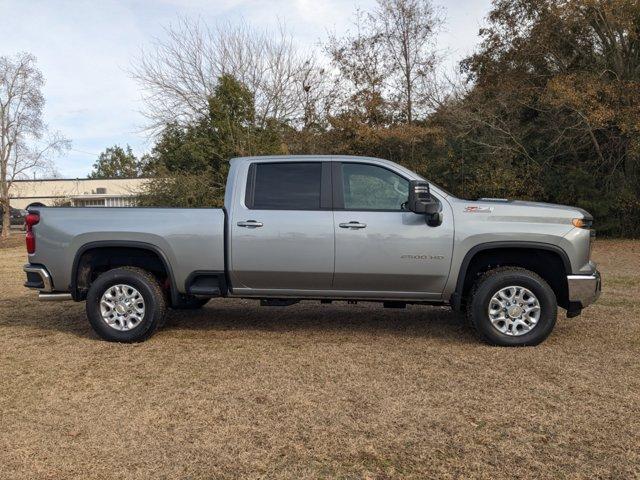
546 260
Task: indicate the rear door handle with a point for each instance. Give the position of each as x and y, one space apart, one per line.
250 224
353 224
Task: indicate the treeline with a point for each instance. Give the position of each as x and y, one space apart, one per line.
546 109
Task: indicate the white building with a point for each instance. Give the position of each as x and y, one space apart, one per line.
79 192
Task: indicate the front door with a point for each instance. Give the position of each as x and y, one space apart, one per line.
282 237
380 247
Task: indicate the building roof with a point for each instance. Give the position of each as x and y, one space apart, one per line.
78 179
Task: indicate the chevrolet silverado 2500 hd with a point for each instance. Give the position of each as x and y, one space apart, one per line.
320 228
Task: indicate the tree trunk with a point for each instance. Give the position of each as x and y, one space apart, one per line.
409 87
6 219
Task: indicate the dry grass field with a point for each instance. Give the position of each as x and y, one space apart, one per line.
319 391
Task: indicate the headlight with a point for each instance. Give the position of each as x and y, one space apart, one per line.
586 224
582 223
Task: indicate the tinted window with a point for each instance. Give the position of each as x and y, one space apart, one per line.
287 186
367 187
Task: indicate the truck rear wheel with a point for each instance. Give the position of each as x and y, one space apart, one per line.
512 306
126 305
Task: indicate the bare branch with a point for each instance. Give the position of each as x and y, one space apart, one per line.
26 145
179 74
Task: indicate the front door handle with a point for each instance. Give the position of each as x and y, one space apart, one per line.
353 224
250 224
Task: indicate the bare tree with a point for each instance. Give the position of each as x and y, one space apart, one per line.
178 75
26 145
360 79
389 60
358 56
316 94
407 30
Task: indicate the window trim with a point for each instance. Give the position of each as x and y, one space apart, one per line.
338 190
325 186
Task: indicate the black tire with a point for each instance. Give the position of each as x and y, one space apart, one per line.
493 281
155 304
192 303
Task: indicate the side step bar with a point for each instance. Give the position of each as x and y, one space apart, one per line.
54 297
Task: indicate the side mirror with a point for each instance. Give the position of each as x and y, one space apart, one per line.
420 200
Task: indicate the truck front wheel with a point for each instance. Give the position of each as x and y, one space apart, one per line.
126 305
511 306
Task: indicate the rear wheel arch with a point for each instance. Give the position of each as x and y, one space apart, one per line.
546 260
93 253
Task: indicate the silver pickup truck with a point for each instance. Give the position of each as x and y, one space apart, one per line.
320 228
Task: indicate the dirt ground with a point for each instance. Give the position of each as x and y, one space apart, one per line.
319 391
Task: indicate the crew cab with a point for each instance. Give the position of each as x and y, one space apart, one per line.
325 228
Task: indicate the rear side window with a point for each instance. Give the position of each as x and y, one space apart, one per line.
286 186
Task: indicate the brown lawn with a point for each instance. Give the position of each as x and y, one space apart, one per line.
319 391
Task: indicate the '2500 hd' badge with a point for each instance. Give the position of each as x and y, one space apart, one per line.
422 257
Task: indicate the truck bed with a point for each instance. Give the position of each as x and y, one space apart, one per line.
189 239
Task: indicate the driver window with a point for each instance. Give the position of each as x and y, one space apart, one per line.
369 187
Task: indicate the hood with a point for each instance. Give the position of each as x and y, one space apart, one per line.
523 203
498 209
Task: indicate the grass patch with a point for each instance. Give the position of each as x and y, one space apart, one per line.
318 391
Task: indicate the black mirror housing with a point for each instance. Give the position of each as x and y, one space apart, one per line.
420 200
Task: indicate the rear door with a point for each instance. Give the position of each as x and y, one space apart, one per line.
381 247
282 236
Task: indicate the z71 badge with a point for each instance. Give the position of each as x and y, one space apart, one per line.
478 209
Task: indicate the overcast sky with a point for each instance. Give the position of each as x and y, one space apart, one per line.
84 49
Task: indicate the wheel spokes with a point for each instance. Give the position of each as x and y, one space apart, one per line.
514 310
122 307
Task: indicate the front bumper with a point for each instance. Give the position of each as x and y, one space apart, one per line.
584 289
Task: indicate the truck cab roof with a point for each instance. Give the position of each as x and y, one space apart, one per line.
410 175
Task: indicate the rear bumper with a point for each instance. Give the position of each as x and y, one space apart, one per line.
38 278
584 289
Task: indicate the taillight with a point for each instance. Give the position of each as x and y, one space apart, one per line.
30 220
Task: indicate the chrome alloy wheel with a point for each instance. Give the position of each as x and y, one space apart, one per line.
514 310
122 307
